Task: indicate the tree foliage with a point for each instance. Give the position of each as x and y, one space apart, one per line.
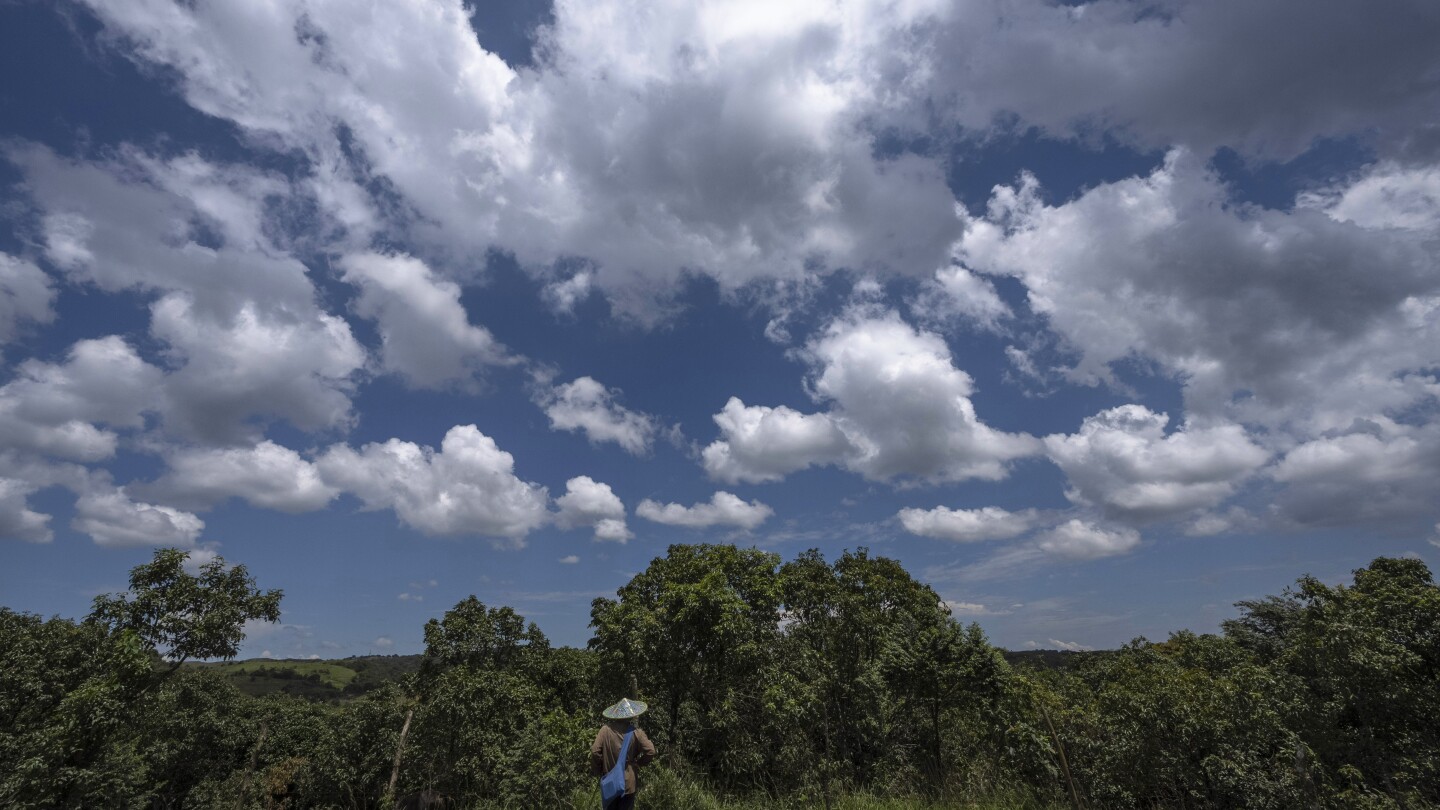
184 615
780 684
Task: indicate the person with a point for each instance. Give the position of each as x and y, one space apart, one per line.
605 751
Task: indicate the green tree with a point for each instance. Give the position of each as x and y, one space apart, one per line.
77 701
851 616
182 615
1369 657
67 707
490 727
697 630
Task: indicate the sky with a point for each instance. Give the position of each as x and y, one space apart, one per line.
1099 317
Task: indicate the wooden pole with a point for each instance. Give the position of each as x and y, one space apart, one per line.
1064 763
399 750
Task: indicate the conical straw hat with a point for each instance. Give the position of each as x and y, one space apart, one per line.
626 709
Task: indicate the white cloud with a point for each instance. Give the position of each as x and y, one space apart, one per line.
1375 471
589 503
724 509
972 609
766 444
266 475
588 406
562 296
26 296
243 333
255 365
425 334
384 642
899 408
612 530
468 487
1387 196
904 404
1151 72
17 520
1069 646
111 518
957 292
201 556
54 408
1122 462
569 559
967 525
656 139
737 151
410 597
1079 540
1284 319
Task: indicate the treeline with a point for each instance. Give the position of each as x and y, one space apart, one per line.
805 683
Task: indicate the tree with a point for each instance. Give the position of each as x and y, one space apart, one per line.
486 728
850 615
472 635
182 615
67 709
1369 655
697 629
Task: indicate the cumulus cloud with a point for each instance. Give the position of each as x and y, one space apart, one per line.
467 487
1389 195
266 475
562 296
425 334
1374 471
255 366
17 520
714 143
589 503
26 296
723 509
1297 318
899 408
1122 462
586 405
569 559
111 518
1079 540
245 339
1295 70
658 138
766 444
957 293
54 409
967 525
200 556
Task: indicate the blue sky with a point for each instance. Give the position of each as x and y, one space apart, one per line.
1099 317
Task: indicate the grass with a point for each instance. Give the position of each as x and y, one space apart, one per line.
662 789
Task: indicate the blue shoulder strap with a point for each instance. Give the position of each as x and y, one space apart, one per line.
612 784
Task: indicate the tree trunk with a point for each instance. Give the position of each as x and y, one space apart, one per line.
399 751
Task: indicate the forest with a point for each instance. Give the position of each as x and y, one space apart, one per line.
771 683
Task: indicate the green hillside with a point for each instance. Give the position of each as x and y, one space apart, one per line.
312 679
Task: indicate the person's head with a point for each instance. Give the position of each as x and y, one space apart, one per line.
624 713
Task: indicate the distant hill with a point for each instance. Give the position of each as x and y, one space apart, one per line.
1049 659
313 679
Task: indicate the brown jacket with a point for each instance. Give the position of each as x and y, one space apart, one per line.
606 751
